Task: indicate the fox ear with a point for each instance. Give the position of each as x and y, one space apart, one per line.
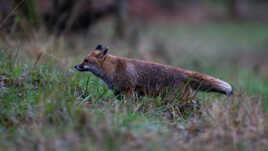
99 47
104 53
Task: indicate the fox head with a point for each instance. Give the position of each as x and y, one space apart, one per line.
93 61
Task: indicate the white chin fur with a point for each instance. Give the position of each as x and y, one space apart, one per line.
86 67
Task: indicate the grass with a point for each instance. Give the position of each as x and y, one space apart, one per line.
46 105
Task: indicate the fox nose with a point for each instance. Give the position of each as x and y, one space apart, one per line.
77 66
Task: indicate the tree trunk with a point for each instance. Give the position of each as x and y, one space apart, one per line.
121 18
237 9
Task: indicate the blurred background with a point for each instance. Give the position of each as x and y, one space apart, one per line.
224 38
45 104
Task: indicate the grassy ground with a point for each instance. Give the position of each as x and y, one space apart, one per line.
50 106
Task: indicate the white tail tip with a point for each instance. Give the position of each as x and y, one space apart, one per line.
226 87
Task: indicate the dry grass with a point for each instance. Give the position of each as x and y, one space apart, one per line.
236 124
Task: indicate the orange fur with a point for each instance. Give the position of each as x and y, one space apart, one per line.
148 78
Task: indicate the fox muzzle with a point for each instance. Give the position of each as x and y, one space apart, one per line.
81 68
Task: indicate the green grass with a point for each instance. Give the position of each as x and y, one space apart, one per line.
33 95
51 106
44 107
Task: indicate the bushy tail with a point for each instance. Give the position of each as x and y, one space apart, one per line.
199 81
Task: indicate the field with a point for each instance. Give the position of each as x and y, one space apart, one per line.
46 105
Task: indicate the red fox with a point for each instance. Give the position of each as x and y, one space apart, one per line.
125 75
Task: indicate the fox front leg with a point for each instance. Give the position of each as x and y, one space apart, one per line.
117 91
